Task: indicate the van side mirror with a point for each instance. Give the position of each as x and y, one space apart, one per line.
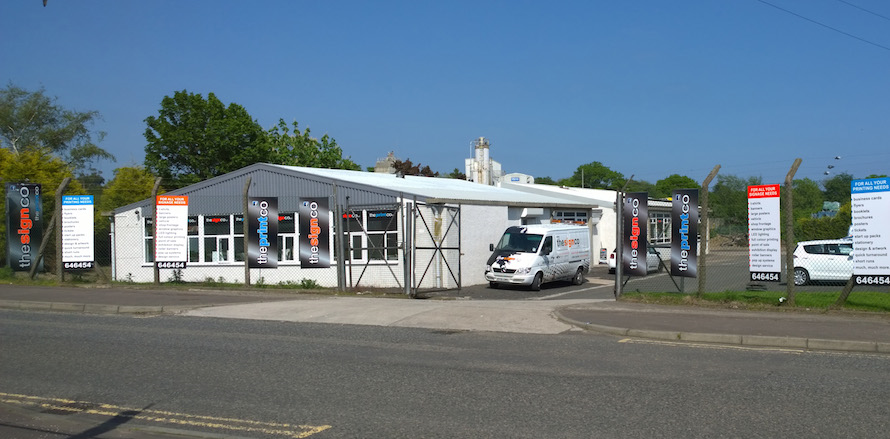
491 247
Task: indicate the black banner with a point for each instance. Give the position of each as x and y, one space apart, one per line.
262 232
24 224
315 232
636 226
684 233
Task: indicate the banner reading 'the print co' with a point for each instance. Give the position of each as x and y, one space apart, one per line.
24 224
262 232
315 233
636 225
684 233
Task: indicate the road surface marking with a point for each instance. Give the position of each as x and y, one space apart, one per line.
164 417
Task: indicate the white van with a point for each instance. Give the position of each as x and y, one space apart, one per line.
535 254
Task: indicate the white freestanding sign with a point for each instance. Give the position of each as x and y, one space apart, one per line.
77 232
171 223
871 237
764 233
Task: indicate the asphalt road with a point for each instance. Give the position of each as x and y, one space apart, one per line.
268 379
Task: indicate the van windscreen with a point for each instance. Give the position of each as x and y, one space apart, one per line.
519 242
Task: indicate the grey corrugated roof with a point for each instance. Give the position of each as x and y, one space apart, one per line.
271 180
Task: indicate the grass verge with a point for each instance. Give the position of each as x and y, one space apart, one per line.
860 301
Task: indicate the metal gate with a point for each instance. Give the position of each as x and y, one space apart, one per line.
436 247
423 239
371 240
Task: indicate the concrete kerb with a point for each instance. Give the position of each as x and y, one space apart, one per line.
89 308
733 339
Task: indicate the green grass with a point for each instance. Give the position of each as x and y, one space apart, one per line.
857 301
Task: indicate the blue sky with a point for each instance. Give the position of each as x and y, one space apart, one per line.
649 88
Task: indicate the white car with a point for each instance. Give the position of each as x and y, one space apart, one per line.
652 260
823 260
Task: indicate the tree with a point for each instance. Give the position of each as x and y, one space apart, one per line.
838 226
728 201
457 175
664 188
595 175
639 186
32 120
300 149
837 188
408 168
806 199
36 165
193 139
129 185
546 180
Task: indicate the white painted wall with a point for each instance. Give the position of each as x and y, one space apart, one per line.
480 226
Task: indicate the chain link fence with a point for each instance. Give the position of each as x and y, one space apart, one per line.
388 246
812 254
816 256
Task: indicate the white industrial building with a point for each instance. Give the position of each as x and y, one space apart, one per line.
398 232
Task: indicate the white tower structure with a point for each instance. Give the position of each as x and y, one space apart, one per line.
481 168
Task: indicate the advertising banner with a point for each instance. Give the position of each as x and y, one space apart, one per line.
262 232
636 227
871 238
78 245
24 225
684 233
315 232
171 229
764 234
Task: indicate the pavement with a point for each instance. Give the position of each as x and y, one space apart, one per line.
838 331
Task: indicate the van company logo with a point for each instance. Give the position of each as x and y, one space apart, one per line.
566 242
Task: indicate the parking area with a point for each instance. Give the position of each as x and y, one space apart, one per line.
598 284
727 270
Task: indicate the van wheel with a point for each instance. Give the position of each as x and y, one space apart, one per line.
537 281
801 277
579 276
493 285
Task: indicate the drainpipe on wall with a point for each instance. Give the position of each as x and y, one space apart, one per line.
437 238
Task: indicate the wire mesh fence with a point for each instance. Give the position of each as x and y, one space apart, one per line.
388 245
383 246
754 245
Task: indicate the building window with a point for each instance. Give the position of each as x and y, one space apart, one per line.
372 235
194 241
217 238
659 227
238 244
383 235
287 237
569 217
149 240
